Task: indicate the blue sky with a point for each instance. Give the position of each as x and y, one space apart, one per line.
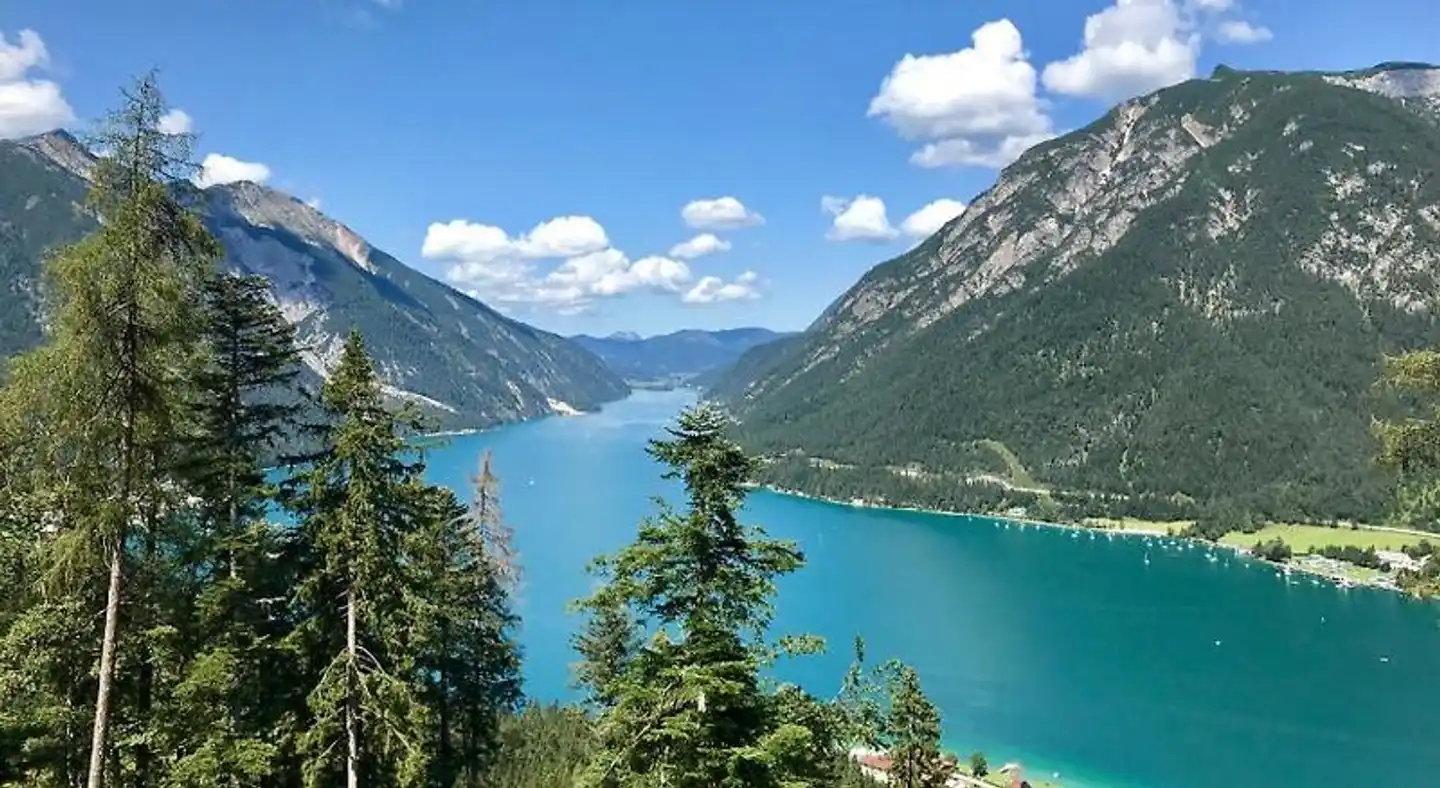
542 154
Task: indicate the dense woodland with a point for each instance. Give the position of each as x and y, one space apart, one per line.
1106 374
172 613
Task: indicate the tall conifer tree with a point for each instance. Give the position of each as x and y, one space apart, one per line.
357 506
687 709
102 397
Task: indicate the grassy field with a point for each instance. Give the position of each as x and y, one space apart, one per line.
1303 538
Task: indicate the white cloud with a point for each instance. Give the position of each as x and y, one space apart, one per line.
28 106
713 289
981 99
1238 31
1132 47
928 220
967 153
719 213
218 169
494 266
859 219
314 202
1136 46
699 246
563 236
176 121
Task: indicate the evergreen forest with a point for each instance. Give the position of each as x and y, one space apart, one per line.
178 608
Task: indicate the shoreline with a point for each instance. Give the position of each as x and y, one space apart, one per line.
1381 583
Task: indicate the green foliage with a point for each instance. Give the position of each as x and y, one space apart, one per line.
1420 550
150 615
978 765
1220 518
1274 550
1366 557
686 705
912 732
543 747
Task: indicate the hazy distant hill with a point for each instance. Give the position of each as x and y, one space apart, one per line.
682 354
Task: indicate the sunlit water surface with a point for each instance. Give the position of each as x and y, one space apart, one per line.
1067 651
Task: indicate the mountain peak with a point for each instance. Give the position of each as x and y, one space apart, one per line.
262 206
64 149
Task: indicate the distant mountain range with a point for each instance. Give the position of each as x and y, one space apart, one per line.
1182 304
463 362
674 357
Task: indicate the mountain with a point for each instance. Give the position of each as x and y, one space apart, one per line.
1181 305
677 356
461 361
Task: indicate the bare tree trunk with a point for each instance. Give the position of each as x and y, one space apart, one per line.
107 670
352 713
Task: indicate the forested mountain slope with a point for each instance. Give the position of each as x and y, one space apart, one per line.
1183 302
463 362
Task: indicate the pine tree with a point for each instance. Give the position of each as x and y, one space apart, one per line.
606 645
461 619
245 404
218 730
357 506
688 708
94 410
913 733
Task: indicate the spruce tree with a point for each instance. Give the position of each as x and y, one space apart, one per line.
688 708
218 729
461 622
913 733
357 505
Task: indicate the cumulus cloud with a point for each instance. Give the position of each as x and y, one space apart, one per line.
713 289
981 99
1238 31
699 246
176 121
967 153
28 106
928 220
719 213
861 218
1136 46
563 236
495 266
1132 47
217 169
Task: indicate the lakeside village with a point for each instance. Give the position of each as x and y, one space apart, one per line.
1346 555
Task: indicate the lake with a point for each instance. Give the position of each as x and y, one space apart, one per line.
1115 662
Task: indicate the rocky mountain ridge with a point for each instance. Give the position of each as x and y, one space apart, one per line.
462 361
1184 300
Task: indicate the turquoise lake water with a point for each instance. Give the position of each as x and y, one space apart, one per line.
1067 652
